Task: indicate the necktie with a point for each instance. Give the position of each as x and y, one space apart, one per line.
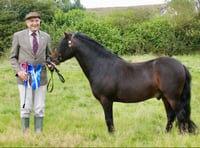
35 43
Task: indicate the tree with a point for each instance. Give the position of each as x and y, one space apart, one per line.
184 9
66 5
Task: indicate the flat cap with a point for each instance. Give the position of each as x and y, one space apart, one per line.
32 15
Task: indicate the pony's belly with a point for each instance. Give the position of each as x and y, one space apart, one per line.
133 97
131 100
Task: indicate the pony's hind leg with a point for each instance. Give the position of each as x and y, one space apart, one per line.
170 115
182 111
184 122
175 108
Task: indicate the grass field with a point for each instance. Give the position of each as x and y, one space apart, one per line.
74 118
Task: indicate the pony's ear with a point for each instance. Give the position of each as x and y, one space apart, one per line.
68 35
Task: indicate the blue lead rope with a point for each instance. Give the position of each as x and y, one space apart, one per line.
34 74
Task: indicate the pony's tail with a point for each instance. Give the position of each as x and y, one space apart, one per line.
185 101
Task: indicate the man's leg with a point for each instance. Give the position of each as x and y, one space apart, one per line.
25 106
39 108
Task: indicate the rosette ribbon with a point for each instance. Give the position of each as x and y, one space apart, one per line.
34 75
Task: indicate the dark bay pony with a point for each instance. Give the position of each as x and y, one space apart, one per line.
112 79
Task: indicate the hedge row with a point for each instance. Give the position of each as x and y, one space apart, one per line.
129 31
154 35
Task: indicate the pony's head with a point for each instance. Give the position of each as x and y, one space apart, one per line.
64 49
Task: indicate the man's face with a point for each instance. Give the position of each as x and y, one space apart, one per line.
33 24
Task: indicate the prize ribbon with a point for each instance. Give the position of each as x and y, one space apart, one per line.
34 73
24 67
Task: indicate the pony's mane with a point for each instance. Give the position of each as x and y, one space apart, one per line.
101 49
85 37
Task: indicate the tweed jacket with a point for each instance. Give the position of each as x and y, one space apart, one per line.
22 52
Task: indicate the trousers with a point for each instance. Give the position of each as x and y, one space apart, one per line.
33 100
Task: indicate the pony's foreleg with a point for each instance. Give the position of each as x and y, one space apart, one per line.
108 112
170 115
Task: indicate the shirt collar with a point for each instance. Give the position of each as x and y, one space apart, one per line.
30 32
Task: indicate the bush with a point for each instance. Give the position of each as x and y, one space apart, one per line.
125 19
155 36
188 36
104 33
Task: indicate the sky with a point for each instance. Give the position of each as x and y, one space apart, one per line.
118 3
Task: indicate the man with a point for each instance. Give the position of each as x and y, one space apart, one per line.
30 50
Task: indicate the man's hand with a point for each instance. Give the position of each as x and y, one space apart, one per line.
51 66
23 75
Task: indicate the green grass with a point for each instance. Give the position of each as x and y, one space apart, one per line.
74 118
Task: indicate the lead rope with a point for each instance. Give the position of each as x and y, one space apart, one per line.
50 84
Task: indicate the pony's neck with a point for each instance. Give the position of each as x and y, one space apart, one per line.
93 46
92 56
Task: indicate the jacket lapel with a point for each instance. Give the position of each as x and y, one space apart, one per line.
41 42
27 39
